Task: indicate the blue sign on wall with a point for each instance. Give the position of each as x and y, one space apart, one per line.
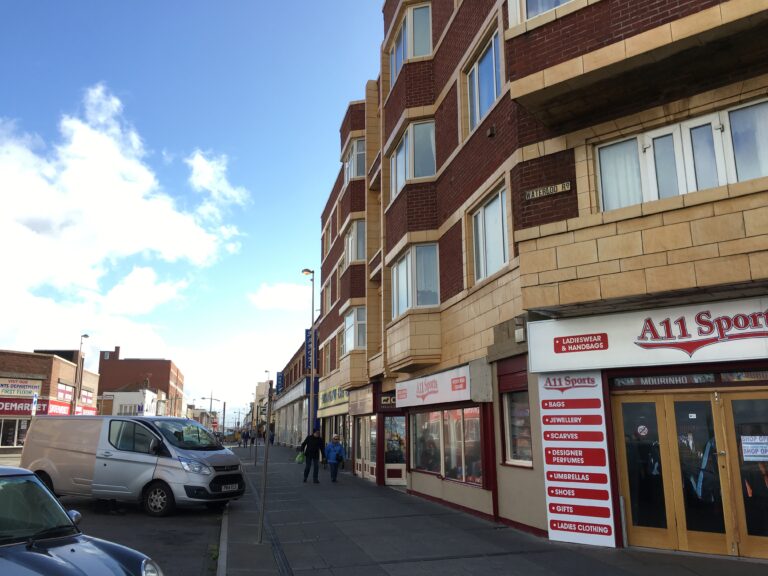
308 347
279 383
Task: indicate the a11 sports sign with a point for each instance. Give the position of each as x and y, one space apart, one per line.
709 332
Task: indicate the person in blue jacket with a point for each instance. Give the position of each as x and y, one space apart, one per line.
335 456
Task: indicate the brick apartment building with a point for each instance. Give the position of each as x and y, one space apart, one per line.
53 377
558 318
134 374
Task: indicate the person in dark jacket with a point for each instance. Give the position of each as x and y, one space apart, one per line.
334 455
312 447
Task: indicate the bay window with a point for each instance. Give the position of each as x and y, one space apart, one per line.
414 156
354 160
414 39
484 82
704 152
354 337
354 243
489 227
415 279
447 442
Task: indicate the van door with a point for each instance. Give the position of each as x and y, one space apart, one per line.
124 462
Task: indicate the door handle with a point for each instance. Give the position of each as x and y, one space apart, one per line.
107 454
722 453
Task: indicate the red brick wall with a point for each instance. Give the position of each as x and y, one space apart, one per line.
352 283
333 286
353 199
544 171
328 265
413 87
451 263
441 14
129 372
591 28
38 365
329 204
478 159
354 119
414 209
389 9
446 127
465 25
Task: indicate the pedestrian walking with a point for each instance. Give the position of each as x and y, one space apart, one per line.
244 438
335 456
312 447
253 439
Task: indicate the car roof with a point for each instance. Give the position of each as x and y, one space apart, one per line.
13 471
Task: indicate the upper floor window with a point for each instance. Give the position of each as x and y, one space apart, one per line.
522 10
416 160
354 161
414 39
354 336
415 279
484 82
326 240
704 152
354 243
489 226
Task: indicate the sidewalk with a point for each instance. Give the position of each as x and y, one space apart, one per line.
355 527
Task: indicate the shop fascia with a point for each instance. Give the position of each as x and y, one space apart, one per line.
470 382
18 397
569 355
296 393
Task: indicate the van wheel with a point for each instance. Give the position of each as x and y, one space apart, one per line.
158 499
45 479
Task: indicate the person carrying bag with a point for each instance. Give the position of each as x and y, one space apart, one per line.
335 456
311 449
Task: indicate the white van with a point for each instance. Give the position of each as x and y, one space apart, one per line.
159 461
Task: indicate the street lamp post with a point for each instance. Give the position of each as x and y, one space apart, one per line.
256 442
311 416
211 399
78 374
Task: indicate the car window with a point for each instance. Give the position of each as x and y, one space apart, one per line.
129 437
26 508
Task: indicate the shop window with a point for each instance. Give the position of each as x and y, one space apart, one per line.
705 152
489 227
414 156
13 431
484 82
414 39
448 442
415 279
517 427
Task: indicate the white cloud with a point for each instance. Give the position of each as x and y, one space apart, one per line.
209 175
77 211
281 297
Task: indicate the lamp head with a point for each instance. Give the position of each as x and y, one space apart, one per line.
83 335
308 272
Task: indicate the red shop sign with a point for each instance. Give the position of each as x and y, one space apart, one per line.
573 420
581 477
581 493
581 527
10 406
577 510
58 408
571 404
575 456
573 436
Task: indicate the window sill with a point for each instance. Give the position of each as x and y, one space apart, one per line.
414 311
480 122
546 17
517 464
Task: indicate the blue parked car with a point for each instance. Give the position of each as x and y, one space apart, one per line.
38 537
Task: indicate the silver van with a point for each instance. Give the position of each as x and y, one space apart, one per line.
158 461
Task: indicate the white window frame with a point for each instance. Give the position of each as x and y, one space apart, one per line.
356 148
354 328
480 239
412 280
505 399
473 102
406 34
518 11
406 143
725 159
356 229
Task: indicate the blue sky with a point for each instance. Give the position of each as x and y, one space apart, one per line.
163 167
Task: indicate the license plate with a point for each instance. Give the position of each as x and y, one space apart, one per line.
229 487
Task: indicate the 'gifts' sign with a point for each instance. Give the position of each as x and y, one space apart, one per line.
576 473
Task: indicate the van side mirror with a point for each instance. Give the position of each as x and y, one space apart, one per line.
75 516
154 444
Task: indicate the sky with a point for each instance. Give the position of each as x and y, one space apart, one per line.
163 168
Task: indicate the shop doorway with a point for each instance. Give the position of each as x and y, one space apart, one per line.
394 450
365 447
693 470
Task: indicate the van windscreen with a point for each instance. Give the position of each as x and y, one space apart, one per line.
187 434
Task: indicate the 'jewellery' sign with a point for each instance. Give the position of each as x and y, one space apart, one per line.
714 332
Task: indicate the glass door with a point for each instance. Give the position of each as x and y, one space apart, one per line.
747 448
643 463
394 450
365 447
